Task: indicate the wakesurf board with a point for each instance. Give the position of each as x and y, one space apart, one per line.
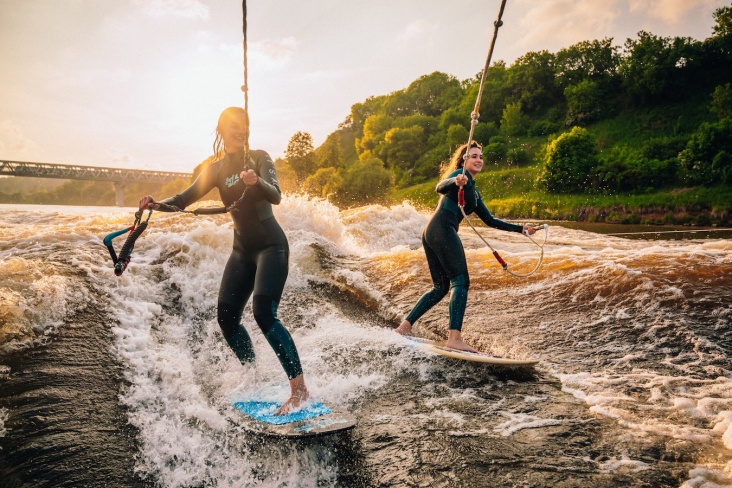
314 419
478 357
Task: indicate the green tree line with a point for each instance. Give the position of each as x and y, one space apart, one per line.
593 118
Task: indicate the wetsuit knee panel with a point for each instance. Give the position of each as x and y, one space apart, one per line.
229 318
460 281
440 289
265 311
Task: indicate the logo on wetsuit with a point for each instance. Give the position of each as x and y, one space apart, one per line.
232 180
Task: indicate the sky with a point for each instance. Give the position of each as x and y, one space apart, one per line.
140 83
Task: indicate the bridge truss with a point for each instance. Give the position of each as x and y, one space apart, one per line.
118 176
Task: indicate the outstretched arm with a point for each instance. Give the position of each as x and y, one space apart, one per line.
200 187
487 217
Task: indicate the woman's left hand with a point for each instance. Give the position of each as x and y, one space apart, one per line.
529 230
249 177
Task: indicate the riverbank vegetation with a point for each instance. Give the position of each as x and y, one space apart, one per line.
635 133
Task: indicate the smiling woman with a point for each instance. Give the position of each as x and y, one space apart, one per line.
445 254
258 265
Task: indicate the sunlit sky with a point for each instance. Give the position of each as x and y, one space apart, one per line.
140 83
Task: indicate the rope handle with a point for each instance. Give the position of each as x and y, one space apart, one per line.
135 230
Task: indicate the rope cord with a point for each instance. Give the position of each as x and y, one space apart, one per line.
245 86
474 116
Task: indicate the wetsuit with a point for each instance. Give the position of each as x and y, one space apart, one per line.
444 249
258 263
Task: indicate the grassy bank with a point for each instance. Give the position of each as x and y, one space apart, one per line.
513 194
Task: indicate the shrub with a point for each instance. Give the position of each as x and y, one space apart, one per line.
571 160
706 160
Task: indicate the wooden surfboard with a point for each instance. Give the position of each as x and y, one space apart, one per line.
478 357
313 420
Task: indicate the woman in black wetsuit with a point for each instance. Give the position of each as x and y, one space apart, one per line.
444 249
258 264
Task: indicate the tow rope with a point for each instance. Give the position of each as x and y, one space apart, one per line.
474 116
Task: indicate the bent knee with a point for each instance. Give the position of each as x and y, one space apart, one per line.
462 281
264 309
229 318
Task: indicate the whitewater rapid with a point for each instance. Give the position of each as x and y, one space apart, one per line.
634 387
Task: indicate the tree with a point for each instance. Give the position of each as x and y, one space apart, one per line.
723 18
484 131
722 101
374 131
513 122
402 147
323 183
364 181
597 61
496 92
361 111
585 102
452 116
570 162
706 159
457 135
532 81
657 68
428 95
329 154
299 155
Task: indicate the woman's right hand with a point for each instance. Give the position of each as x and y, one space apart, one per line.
461 180
148 203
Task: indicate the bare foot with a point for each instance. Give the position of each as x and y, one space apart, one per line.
455 341
405 328
298 395
460 346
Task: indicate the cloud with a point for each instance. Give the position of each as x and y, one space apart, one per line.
188 9
272 53
415 30
556 24
672 12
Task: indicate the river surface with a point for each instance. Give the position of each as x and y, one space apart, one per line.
126 381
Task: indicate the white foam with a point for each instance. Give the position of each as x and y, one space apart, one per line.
702 477
623 464
4 414
521 421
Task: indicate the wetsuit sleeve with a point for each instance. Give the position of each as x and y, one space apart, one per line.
205 182
487 217
448 184
268 186
445 186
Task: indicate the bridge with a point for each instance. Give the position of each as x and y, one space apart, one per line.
118 176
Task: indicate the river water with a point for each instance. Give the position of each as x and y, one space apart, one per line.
108 381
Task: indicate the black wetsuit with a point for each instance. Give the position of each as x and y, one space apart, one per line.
258 264
444 249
